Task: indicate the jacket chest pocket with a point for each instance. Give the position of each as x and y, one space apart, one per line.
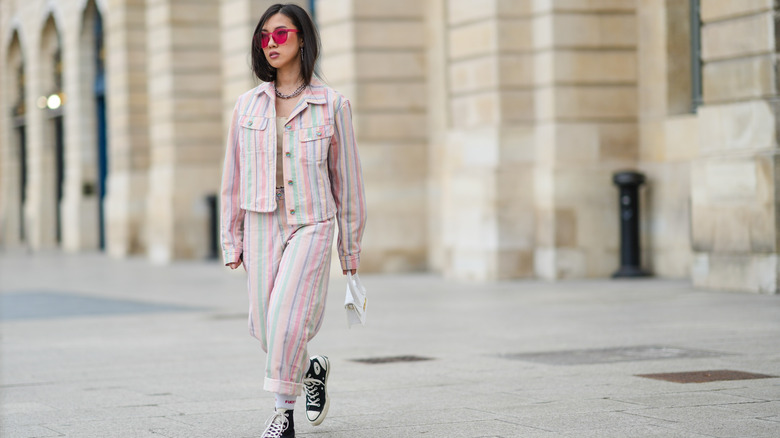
254 136
313 143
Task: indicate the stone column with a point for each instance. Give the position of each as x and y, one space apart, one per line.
185 126
125 33
585 111
668 134
436 24
487 156
735 178
80 202
41 206
374 53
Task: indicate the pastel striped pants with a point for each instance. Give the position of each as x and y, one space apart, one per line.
288 269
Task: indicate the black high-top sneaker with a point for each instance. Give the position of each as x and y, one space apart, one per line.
315 385
280 425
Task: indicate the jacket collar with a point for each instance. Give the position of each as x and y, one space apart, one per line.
315 94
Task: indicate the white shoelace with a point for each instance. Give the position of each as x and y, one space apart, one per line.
277 424
311 388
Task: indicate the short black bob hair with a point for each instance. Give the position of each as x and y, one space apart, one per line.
306 30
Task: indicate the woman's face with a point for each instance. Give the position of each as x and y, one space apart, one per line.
281 54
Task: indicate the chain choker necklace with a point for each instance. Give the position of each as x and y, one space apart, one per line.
287 96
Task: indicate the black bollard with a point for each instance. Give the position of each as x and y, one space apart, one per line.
213 229
628 182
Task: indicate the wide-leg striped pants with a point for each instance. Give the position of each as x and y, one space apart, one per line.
288 269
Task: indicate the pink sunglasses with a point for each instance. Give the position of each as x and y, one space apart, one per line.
280 36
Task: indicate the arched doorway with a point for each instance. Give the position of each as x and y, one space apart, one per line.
89 112
100 109
20 129
54 113
14 168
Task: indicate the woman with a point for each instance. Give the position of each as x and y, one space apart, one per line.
292 172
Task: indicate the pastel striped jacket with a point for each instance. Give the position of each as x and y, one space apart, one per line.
322 171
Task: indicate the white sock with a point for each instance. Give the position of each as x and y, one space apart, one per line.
284 401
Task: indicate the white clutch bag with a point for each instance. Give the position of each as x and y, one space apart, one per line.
355 301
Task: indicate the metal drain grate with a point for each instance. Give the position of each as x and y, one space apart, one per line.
611 355
391 359
705 376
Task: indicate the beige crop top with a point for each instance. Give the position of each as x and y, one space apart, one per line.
279 153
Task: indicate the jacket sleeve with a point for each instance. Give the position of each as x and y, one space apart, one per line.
232 215
346 180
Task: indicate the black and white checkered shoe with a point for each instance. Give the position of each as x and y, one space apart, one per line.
315 384
280 425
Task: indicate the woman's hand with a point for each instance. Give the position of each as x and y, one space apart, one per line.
351 271
234 265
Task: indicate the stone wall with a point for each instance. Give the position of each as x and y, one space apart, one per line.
128 136
668 134
184 87
374 53
484 152
80 201
734 176
585 82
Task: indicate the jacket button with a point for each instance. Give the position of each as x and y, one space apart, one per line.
250 123
289 182
288 155
319 133
292 211
288 127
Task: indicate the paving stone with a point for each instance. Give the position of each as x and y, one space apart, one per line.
739 428
140 427
692 414
686 399
644 431
759 409
561 421
28 432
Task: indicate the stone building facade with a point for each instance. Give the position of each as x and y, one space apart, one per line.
489 130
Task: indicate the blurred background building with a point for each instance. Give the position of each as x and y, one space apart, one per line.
489 130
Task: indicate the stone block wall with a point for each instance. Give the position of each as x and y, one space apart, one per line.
374 53
585 81
184 85
80 203
734 176
668 135
482 152
128 137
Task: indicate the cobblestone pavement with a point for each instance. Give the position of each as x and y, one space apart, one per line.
97 347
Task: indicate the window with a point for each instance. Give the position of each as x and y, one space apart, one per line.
696 82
